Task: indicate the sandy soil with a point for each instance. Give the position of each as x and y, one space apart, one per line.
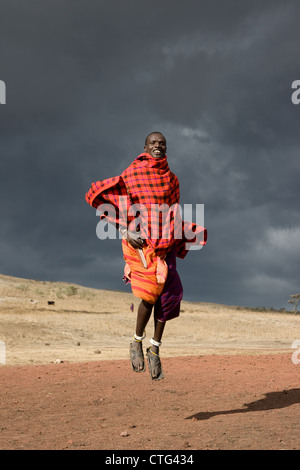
230 382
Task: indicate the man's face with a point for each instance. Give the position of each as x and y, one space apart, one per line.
156 145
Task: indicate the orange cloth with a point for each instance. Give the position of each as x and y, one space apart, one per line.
146 283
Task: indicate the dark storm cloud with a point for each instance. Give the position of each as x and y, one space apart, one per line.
86 81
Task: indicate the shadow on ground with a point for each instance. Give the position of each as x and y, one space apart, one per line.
271 401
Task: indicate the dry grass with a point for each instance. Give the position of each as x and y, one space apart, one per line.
88 324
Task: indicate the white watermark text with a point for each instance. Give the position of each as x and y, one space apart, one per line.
2 92
296 95
160 221
296 354
2 353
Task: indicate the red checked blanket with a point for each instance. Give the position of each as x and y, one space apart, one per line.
148 183
144 185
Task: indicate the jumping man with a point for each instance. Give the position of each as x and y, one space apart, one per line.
150 247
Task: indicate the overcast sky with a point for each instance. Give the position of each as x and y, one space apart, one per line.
87 80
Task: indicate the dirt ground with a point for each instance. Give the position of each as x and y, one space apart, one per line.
204 402
230 382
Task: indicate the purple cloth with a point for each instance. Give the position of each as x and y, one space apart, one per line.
168 303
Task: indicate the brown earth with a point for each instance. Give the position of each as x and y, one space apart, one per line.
230 382
204 402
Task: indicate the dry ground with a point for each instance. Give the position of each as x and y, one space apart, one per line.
67 384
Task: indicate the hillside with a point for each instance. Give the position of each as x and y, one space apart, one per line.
41 322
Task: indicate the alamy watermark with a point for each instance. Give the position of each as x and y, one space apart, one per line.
160 222
296 95
2 353
2 92
296 354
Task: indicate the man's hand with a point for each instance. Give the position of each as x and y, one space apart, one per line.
134 239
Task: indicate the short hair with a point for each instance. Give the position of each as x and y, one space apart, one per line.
154 132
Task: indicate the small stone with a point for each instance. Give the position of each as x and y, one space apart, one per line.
124 434
97 351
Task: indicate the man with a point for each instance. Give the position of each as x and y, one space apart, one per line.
150 247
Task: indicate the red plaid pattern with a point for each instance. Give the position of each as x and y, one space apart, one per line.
108 191
150 182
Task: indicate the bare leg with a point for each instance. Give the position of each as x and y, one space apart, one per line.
159 327
143 316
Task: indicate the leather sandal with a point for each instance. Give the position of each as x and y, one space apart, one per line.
134 354
154 361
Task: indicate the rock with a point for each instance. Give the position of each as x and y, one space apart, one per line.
124 434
